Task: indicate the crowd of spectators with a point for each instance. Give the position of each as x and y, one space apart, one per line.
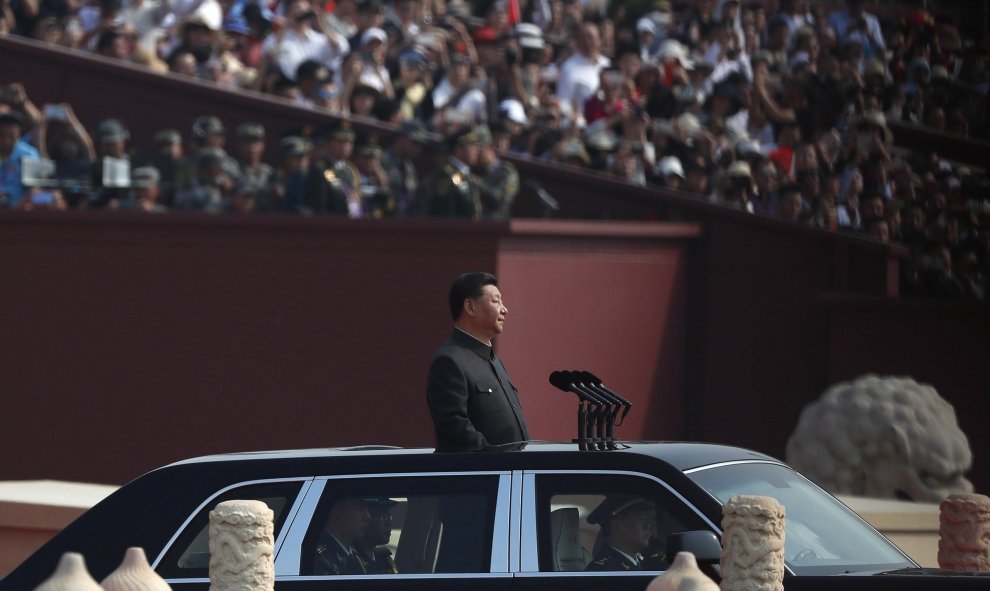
775 107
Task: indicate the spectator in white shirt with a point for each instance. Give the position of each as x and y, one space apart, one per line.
854 23
579 74
298 41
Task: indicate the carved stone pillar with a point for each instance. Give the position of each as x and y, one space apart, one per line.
242 543
752 544
964 533
134 574
70 575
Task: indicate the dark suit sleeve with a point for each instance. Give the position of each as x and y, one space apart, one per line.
447 395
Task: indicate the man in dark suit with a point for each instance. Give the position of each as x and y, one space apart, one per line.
472 401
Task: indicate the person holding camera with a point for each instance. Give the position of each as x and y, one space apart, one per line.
299 40
853 22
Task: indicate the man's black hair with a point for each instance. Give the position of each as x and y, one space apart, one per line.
468 286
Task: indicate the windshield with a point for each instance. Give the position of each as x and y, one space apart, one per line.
821 535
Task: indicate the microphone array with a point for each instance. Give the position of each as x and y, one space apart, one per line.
598 408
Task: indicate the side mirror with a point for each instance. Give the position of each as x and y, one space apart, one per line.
702 543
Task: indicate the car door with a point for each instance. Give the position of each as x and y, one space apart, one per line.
560 548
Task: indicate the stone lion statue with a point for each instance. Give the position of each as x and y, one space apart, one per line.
887 437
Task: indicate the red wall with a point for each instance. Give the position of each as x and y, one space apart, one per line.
136 341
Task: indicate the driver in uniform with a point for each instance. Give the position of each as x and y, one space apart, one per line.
628 525
372 545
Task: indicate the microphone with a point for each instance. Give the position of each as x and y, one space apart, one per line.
599 386
548 203
562 382
610 407
585 420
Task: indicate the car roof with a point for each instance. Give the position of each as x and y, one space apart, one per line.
678 454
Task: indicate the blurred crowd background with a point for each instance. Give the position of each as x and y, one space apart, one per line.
775 107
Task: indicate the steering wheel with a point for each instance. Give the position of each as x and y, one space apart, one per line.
804 555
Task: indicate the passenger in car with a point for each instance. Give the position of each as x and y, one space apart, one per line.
371 546
628 525
335 547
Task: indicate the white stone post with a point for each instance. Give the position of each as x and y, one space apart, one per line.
964 533
70 575
683 575
134 574
242 543
752 544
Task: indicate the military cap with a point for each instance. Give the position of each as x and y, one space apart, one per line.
293 145
383 502
369 149
207 125
208 157
613 505
111 130
250 131
144 177
339 130
414 130
168 136
463 136
484 135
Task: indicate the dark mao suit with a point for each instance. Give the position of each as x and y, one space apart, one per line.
471 399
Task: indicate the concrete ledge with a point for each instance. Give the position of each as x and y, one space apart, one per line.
32 511
912 526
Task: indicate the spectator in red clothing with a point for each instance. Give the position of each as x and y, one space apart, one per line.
609 102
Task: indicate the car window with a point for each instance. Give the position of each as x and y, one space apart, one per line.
605 523
189 555
821 536
414 525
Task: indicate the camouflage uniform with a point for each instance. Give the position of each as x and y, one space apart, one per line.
498 187
380 562
330 558
610 559
260 176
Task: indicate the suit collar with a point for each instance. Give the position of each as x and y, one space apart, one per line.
482 350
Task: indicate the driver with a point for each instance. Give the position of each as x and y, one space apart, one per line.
628 525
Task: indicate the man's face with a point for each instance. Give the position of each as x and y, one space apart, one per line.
348 520
380 529
632 530
486 313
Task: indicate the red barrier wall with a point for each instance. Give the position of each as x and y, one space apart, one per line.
136 341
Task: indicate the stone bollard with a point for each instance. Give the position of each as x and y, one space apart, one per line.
134 574
964 533
683 575
70 575
752 544
242 543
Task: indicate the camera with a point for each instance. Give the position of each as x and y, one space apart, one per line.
55 113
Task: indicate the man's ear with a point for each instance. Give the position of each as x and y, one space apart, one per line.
469 306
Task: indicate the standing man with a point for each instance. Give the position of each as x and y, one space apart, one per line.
472 401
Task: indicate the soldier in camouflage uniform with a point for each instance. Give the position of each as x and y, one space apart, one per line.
335 552
628 525
250 149
403 180
207 132
372 546
332 181
498 180
378 202
210 185
452 191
